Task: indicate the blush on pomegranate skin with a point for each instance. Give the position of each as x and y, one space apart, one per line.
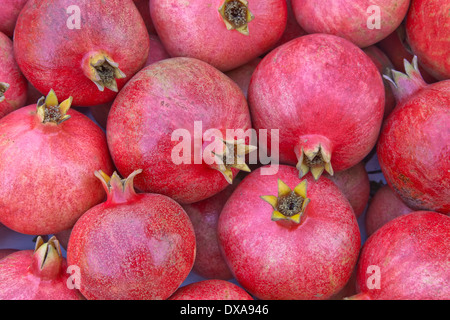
286 238
223 33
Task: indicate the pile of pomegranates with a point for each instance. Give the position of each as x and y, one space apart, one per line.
224 150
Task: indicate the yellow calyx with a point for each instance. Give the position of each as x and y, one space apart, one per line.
316 161
103 71
3 87
50 110
236 15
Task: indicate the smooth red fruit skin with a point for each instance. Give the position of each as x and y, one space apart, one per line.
196 29
214 289
428 34
16 94
8 15
350 19
242 75
168 95
313 260
312 84
413 149
412 253
384 207
50 54
142 249
47 171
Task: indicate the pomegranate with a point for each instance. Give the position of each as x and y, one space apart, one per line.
144 9
13 85
214 289
384 207
48 156
413 146
6 252
301 244
157 52
309 85
81 54
41 274
406 259
243 74
362 22
180 99
223 33
8 15
428 35
136 246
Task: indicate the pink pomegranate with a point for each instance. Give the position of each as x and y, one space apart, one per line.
157 52
89 54
363 22
286 238
309 85
134 246
178 120
41 274
243 74
413 145
384 207
428 35
223 33
8 15
214 289
406 259
48 156
13 85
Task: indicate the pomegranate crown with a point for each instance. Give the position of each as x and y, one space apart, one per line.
3 87
119 190
49 110
47 258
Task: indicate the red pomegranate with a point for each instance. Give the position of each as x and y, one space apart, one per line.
243 74
363 22
79 48
223 33
176 120
428 35
13 85
413 146
384 207
310 85
144 9
286 238
407 259
157 52
214 289
48 156
8 15
134 246
41 274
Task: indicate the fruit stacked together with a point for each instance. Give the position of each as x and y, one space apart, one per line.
229 139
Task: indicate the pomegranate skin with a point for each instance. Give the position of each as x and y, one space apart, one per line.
304 88
412 253
53 56
350 19
413 148
142 249
428 34
315 259
196 29
37 159
6 252
158 52
165 96
242 75
15 95
384 207
214 289
8 15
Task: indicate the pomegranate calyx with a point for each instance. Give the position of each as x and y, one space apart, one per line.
102 70
233 156
236 15
316 160
50 111
119 190
47 258
289 204
3 87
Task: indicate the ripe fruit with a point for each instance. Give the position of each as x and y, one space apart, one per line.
48 156
36 275
362 22
223 33
13 85
428 34
413 145
407 259
180 99
8 15
310 85
214 289
157 52
243 74
134 246
6 252
103 51
302 244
